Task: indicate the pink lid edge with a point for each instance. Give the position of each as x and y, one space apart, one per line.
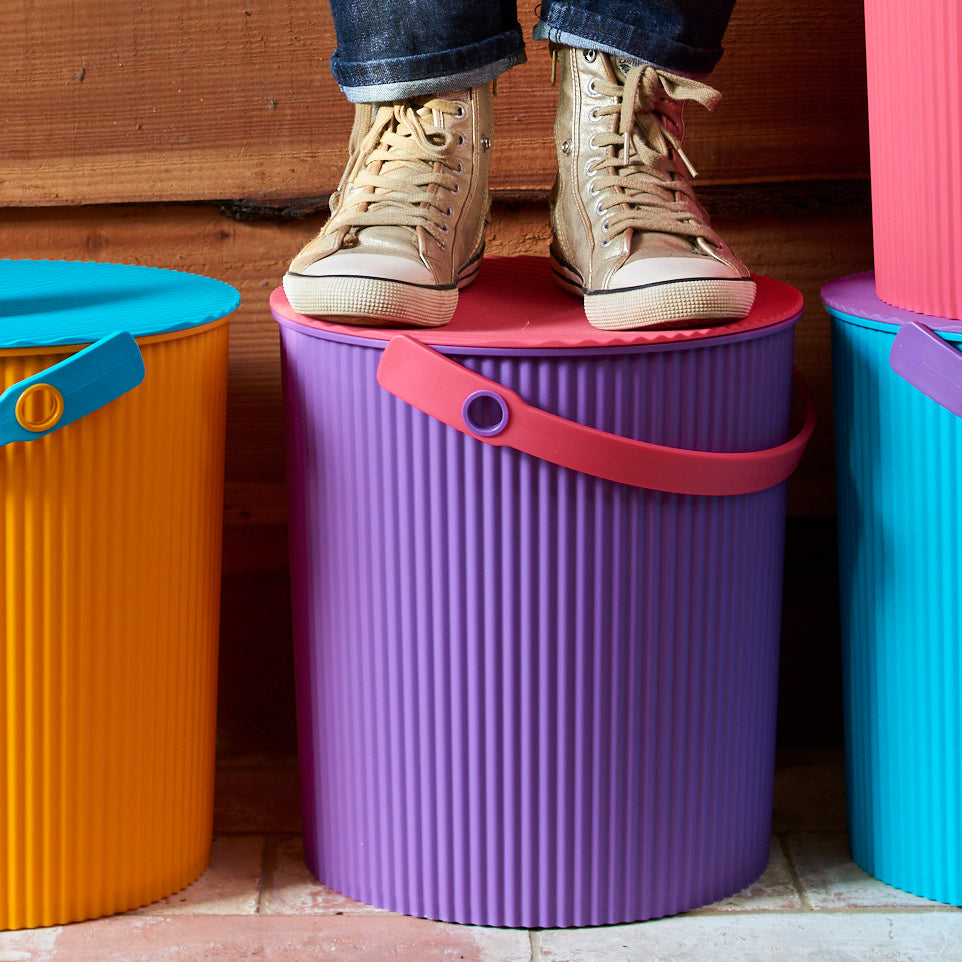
515 304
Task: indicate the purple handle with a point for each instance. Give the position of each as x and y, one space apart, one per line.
929 363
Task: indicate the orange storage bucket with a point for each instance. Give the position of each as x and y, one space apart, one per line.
110 583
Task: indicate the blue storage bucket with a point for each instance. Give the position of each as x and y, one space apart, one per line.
898 428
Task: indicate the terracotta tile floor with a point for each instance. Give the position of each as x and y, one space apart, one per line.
257 901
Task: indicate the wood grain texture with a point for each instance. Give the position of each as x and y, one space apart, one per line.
805 252
120 101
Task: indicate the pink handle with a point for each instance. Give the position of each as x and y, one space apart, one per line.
483 409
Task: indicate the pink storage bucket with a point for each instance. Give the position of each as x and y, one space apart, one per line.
537 576
914 63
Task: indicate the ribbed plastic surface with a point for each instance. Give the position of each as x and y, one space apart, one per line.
899 459
915 84
528 697
110 575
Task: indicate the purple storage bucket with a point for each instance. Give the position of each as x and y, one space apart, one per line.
529 696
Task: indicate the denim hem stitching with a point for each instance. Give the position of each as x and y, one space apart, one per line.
567 25
507 47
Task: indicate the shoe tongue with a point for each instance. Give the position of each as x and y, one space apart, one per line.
388 239
621 67
658 244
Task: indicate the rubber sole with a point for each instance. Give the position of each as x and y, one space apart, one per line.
690 302
376 301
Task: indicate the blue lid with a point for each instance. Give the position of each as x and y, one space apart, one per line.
49 303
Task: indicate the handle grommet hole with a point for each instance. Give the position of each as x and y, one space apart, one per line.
485 413
39 408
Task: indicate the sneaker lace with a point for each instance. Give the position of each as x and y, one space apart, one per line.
646 180
406 161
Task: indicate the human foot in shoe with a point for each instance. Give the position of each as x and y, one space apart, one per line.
407 222
628 234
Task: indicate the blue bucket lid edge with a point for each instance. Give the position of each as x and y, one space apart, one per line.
49 303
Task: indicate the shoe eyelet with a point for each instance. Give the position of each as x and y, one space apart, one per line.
442 245
604 227
462 112
460 140
591 142
599 210
445 229
593 114
590 170
448 213
592 89
593 189
460 168
590 55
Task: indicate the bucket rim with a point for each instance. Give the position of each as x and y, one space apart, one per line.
537 319
458 350
143 340
852 300
67 304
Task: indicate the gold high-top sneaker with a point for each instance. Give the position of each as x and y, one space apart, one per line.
408 218
628 234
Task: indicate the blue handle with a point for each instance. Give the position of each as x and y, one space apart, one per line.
929 363
45 402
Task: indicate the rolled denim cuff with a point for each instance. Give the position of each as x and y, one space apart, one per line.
401 77
572 27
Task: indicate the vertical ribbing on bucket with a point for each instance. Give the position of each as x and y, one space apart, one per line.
526 696
898 462
916 194
110 581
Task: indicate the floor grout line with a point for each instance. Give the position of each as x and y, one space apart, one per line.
793 872
835 910
265 888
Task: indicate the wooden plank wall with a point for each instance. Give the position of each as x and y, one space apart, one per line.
125 101
203 134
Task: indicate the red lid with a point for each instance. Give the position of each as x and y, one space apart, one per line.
515 305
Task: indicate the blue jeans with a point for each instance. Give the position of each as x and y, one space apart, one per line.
391 49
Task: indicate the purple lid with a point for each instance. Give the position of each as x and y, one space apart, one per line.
853 298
